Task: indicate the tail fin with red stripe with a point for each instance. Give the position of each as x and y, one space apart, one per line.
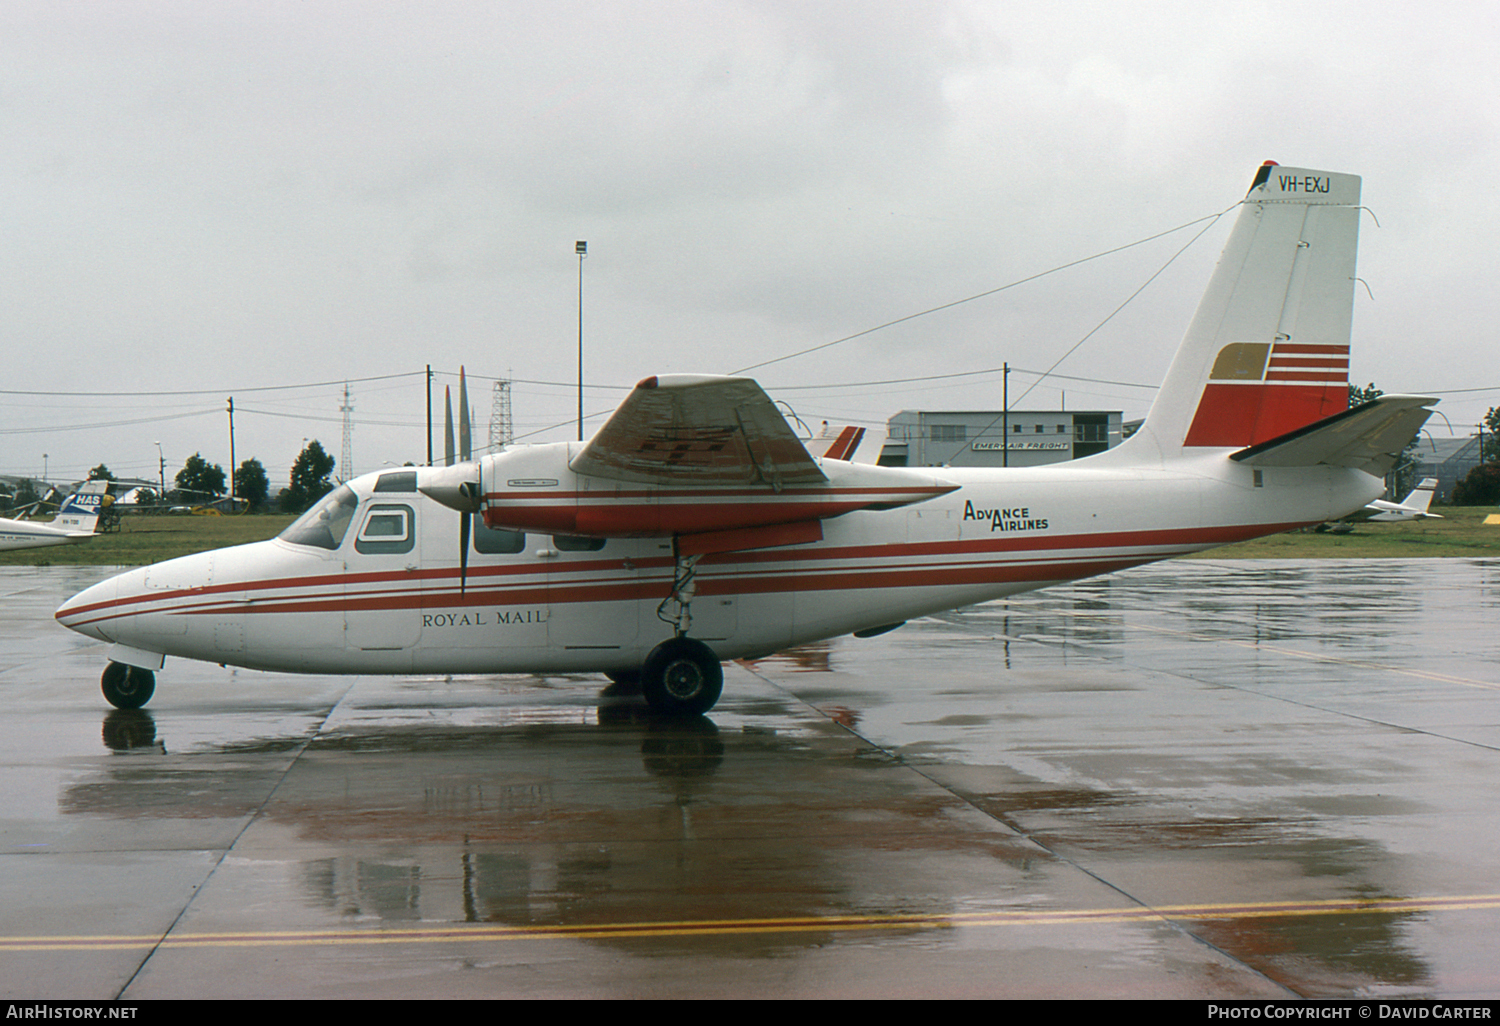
837 447
1267 352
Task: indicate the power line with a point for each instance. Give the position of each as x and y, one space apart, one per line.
990 292
215 391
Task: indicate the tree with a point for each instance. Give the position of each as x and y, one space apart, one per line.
251 483
101 473
1359 396
309 479
199 477
1490 444
1479 487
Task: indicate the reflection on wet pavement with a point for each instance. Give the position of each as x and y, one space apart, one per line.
1194 779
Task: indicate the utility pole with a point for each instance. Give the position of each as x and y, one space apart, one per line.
429 414
582 249
231 454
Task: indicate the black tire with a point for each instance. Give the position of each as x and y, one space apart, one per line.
682 677
127 687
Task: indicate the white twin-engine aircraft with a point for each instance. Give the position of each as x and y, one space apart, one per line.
695 527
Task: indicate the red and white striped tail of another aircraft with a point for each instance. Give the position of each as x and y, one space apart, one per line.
697 527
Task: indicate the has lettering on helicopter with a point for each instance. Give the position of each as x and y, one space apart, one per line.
696 526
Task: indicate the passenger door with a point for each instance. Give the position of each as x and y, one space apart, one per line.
382 582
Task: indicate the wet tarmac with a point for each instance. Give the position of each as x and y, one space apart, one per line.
1198 779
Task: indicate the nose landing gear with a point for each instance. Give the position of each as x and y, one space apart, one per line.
127 687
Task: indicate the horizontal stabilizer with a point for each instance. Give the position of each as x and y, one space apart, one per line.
1369 437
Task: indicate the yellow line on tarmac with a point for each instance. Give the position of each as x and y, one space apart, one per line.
478 933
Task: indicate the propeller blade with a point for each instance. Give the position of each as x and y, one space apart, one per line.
464 520
465 450
447 427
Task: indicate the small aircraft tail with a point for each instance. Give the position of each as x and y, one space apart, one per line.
836 447
1267 352
80 511
1420 498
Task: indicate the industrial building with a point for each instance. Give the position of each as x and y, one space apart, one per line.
990 438
1447 459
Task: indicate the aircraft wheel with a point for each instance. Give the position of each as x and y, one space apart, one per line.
127 687
682 676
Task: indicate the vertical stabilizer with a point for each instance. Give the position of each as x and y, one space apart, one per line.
1268 350
79 513
1419 498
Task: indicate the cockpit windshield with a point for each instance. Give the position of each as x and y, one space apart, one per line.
324 525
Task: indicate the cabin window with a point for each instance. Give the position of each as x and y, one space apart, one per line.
387 528
496 541
573 543
325 524
397 481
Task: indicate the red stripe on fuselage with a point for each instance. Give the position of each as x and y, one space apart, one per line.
919 564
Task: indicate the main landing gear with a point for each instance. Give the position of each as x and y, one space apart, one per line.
681 676
127 687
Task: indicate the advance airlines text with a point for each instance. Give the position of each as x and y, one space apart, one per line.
1018 518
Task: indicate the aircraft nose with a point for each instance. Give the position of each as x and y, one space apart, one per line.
85 611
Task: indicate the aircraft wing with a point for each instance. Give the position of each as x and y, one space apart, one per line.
1369 437
708 429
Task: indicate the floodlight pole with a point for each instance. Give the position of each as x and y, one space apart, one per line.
231 454
1005 413
582 249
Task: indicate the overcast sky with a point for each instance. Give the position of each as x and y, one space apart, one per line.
264 199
